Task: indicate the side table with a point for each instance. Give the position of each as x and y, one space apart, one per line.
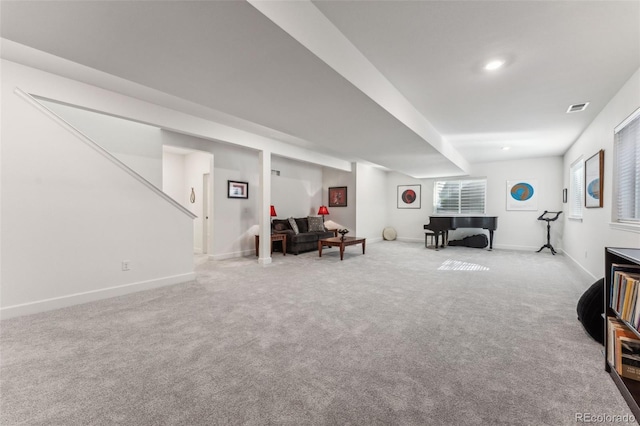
274 237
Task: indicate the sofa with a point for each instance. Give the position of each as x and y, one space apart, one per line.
302 233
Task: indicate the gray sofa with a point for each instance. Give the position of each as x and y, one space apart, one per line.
302 241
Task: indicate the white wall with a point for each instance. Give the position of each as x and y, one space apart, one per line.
585 240
136 145
518 230
297 192
182 172
235 221
521 230
371 202
70 217
345 216
196 165
173 174
408 223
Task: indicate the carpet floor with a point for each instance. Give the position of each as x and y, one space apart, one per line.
402 335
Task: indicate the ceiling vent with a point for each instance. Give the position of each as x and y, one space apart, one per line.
578 107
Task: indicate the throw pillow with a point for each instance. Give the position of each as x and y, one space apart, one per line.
294 225
316 224
281 224
303 226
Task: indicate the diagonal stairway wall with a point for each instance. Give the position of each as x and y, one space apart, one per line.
70 217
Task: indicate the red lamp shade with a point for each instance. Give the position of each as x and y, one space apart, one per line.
323 210
273 212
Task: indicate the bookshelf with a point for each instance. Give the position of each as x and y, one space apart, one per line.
630 389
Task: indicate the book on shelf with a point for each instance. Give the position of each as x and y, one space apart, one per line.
629 357
615 331
623 293
628 291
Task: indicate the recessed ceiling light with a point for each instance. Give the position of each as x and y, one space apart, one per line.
506 148
494 65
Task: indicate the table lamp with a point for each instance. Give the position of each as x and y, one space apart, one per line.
323 211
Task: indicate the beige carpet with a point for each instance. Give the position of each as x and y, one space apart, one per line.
402 335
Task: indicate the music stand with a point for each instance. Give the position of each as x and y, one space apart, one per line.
548 220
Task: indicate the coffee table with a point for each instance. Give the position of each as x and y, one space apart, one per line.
340 242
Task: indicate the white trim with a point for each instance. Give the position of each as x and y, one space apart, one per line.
106 154
91 296
574 218
410 240
233 255
626 121
524 248
625 226
579 265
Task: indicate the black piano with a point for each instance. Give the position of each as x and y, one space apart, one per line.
443 224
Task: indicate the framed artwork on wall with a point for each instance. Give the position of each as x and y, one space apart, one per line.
409 196
237 189
522 194
338 196
593 180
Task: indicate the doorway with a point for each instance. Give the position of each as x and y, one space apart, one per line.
187 176
205 212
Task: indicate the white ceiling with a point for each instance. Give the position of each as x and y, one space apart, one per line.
299 83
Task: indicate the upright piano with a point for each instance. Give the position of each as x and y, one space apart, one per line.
443 224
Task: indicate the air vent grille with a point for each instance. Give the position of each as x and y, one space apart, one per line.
577 107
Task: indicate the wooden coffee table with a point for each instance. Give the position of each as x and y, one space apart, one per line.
340 242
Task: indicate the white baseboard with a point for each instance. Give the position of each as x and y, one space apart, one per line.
91 296
495 246
232 255
410 240
580 266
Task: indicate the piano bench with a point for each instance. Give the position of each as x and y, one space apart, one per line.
428 233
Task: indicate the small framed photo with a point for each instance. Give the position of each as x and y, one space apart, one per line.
237 189
409 196
593 171
338 196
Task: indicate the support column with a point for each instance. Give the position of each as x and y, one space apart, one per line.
264 208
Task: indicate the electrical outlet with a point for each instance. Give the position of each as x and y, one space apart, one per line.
126 265
585 254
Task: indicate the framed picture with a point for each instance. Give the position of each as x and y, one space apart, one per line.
338 196
522 194
593 180
237 189
409 196
564 195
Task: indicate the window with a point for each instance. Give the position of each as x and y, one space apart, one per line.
460 196
576 189
626 175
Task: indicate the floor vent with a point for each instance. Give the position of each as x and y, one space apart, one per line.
578 107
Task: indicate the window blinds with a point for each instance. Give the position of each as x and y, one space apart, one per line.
460 196
627 169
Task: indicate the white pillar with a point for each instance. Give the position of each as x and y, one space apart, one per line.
265 208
